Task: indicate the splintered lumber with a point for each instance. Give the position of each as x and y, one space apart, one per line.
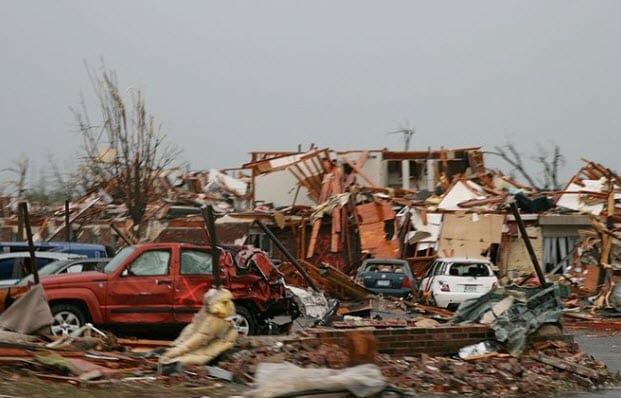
342 280
313 238
434 310
136 344
121 235
565 365
73 219
332 276
289 256
371 219
359 171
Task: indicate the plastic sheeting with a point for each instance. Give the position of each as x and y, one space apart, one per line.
28 314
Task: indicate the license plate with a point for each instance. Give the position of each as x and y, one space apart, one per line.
470 288
383 283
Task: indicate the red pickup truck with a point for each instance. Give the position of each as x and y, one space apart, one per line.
164 283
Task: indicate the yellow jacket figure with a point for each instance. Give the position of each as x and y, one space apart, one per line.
208 335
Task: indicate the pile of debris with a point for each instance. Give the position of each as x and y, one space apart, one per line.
96 362
333 209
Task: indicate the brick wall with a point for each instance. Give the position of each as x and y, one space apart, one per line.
442 340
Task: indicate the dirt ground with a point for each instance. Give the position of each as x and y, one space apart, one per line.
24 386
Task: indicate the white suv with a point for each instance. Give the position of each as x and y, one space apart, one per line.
452 280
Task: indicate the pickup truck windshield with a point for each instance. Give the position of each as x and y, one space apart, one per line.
118 259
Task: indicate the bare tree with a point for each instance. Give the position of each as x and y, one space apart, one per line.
67 183
549 162
19 169
511 155
125 148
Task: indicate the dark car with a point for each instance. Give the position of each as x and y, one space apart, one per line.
14 265
390 277
68 266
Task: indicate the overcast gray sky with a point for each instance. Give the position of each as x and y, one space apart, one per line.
228 77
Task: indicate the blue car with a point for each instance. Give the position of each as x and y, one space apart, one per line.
389 277
92 250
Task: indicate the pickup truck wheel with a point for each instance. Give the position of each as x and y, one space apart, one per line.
67 318
244 321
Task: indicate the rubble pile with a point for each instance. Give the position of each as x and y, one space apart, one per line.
319 215
546 366
561 367
552 366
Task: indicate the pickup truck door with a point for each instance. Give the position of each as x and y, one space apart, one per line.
143 292
195 278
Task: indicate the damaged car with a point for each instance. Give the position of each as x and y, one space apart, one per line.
163 284
452 280
389 277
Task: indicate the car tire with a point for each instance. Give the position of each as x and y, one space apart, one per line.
67 318
244 322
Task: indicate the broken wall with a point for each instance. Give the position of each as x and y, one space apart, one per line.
377 233
515 259
469 235
280 188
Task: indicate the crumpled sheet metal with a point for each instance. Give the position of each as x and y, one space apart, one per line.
531 308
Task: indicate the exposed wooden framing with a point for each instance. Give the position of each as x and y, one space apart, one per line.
302 240
336 229
314 176
74 218
306 184
338 278
316 163
313 238
289 256
121 235
345 237
359 171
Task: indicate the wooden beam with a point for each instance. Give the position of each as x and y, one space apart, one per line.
359 171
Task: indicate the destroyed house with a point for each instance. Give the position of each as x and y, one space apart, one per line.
295 178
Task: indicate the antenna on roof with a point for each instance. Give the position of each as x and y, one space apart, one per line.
407 132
